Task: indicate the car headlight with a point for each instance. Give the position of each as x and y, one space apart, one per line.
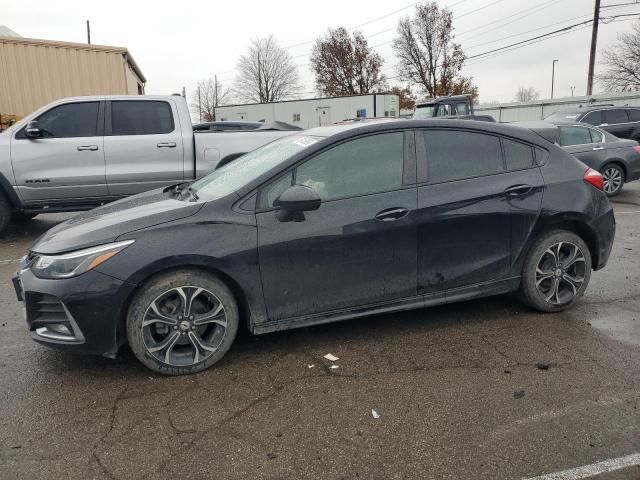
75 263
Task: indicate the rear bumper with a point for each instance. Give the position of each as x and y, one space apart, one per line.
80 315
604 227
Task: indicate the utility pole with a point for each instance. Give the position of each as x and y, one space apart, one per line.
553 74
184 92
259 80
199 104
215 95
88 33
594 41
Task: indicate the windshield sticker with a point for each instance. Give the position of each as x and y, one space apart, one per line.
305 141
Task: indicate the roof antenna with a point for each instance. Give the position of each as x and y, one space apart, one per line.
88 33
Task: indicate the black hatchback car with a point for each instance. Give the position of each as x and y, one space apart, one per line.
329 224
623 122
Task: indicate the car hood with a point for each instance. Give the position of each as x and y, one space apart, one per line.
105 224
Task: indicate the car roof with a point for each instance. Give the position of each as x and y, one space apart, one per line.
442 123
588 108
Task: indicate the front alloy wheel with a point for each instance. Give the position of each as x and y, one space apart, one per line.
613 180
182 322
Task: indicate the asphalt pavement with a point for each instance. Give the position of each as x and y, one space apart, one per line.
486 389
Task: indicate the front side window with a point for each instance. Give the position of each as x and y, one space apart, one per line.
593 118
616 115
70 120
141 117
574 136
454 155
444 110
423 111
365 165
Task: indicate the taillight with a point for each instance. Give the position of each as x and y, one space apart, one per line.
594 178
636 148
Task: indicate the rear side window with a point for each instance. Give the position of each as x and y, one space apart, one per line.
574 136
616 115
596 136
454 155
70 120
634 114
141 118
593 118
517 155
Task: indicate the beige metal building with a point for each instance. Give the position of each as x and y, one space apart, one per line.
36 72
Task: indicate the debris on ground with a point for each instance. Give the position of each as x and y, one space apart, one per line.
518 394
331 357
310 366
543 365
271 456
375 414
507 371
332 367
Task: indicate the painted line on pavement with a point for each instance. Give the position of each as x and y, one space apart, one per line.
588 471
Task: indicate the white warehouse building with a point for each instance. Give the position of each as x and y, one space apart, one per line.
314 112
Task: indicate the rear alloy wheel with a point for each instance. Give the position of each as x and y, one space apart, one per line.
182 323
613 179
556 272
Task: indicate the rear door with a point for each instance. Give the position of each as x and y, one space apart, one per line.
67 161
584 143
473 209
143 146
616 121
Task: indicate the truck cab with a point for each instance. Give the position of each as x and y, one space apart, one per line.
450 106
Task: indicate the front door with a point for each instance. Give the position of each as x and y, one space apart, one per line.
67 161
359 248
143 146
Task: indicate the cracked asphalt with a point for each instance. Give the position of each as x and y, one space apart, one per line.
485 389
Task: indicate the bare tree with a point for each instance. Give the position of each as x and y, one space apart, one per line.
427 55
527 94
622 63
209 94
346 65
267 73
407 99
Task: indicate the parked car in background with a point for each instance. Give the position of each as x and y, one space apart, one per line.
78 153
225 126
452 106
618 160
328 224
623 122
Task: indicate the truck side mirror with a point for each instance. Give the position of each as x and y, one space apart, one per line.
32 130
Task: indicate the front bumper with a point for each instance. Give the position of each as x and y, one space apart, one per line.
83 314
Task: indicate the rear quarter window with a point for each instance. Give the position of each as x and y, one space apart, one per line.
634 114
517 155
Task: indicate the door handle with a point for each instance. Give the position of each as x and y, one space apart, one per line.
595 149
391 214
518 190
83 148
167 145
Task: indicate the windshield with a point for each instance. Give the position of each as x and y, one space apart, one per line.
562 117
240 172
424 111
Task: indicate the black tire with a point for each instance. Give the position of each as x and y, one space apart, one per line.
22 217
614 179
190 351
5 213
537 287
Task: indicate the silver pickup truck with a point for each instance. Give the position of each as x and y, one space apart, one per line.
78 153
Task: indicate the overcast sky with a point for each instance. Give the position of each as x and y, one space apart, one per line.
177 43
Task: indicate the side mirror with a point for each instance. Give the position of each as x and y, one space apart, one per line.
294 201
32 130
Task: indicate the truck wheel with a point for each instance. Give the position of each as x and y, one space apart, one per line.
21 217
5 213
556 272
182 322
